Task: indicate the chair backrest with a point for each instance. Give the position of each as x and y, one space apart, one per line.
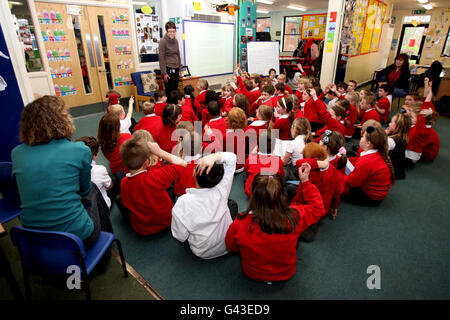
136 77
8 186
47 252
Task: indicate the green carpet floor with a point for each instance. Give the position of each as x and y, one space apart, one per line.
407 237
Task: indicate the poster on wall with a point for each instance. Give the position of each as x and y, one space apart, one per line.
147 33
313 26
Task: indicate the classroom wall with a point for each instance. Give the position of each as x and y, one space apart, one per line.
362 67
428 54
276 22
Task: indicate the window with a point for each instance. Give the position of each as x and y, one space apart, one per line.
263 25
26 34
291 32
446 49
149 28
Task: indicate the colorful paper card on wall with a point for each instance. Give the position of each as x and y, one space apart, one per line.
197 6
370 25
313 26
411 43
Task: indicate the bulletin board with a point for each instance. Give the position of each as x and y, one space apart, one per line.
246 29
379 18
370 25
313 26
262 56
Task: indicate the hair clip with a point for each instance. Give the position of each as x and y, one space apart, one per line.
342 151
325 139
284 102
402 110
328 132
370 129
270 177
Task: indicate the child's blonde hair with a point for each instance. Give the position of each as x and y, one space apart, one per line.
353 98
148 107
144 136
305 81
369 123
203 84
266 113
116 109
186 125
191 143
370 100
302 126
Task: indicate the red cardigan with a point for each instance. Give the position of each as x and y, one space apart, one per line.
370 114
145 195
159 108
273 257
385 104
313 109
284 127
150 123
261 163
187 112
327 181
164 138
115 161
372 174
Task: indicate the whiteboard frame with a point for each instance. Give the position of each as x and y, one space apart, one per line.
234 46
277 64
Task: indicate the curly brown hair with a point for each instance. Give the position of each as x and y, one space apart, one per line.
236 119
45 119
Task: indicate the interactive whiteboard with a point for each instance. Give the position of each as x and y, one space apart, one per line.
262 56
208 47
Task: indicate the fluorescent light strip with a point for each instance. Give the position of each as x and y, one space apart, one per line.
265 1
428 6
15 3
262 11
423 1
296 8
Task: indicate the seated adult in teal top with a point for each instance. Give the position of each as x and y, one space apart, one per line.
52 172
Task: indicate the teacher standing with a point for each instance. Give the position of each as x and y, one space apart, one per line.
169 58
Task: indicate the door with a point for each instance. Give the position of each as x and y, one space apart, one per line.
411 41
87 56
111 34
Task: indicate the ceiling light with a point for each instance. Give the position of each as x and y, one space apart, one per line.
265 1
262 11
15 3
296 8
428 6
140 3
423 1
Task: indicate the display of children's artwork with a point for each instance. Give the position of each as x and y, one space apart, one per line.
49 17
61 72
62 90
120 33
147 31
313 26
53 36
121 18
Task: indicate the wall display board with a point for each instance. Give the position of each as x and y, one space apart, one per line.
246 29
212 53
362 26
262 56
313 26
147 32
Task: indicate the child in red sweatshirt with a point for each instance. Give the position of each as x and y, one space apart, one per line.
383 105
268 250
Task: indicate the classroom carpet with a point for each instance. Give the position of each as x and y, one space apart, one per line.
407 237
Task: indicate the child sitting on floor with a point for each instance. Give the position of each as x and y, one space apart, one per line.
127 123
150 122
161 102
266 234
143 190
203 214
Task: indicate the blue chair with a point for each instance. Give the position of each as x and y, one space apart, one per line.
10 203
51 253
139 94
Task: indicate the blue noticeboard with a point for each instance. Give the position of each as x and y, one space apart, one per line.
11 103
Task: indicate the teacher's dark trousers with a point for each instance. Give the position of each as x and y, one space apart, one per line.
172 84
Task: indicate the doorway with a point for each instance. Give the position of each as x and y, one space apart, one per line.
89 51
412 40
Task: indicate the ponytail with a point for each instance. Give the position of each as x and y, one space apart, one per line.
384 154
308 137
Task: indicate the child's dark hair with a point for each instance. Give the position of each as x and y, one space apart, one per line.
387 87
175 96
91 142
280 86
256 78
214 108
288 104
211 179
266 142
353 81
342 85
189 91
377 136
111 92
341 112
211 95
269 207
170 115
269 88
272 69
134 152
159 94
334 141
108 132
